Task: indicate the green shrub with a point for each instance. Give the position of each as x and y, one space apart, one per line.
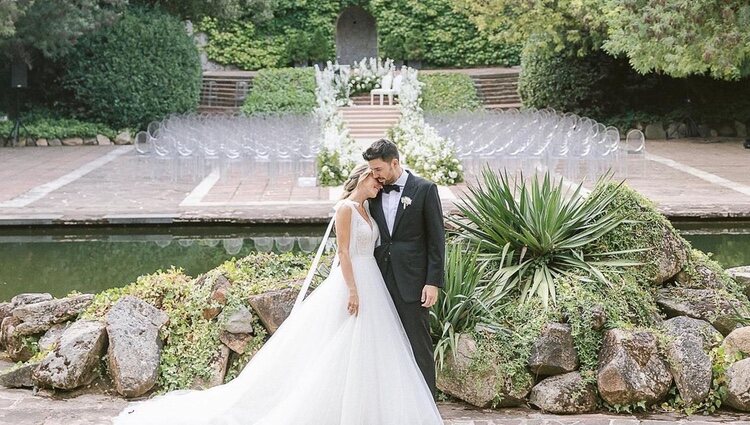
609 90
46 125
448 93
140 69
287 90
240 44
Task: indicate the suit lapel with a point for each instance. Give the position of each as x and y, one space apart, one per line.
376 210
409 188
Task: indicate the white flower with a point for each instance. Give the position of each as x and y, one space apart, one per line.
406 201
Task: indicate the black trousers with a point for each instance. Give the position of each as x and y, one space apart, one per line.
416 321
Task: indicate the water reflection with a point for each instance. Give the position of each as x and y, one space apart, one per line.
93 259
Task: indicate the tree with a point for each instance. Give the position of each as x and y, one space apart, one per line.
50 27
682 37
676 37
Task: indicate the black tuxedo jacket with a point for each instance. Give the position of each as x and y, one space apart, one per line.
416 249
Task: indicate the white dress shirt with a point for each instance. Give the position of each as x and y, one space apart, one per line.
391 200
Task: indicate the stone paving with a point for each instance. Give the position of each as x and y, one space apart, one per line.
691 178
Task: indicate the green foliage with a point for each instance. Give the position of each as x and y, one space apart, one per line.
330 173
674 37
191 340
288 90
428 30
448 93
26 27
238 43
256 10
682 38
48 127
609 90
463 303
139 70
533 234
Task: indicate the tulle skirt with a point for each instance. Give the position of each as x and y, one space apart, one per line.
323 366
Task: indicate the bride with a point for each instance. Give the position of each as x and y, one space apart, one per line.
341 358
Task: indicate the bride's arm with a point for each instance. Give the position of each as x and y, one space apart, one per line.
343 233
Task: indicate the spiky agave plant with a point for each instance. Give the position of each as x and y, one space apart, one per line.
464 302
529 233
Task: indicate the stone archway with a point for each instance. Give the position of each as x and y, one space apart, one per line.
356 35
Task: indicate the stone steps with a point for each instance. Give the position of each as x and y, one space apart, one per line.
224 91
498 91
369 123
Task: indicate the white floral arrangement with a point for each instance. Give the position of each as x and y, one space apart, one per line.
338 150
366 74
426 152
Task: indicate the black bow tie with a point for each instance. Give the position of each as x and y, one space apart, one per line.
389 187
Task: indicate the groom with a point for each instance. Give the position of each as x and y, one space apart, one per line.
411 252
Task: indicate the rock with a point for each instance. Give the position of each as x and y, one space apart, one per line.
103 140
704 304
55 142
42 142
51 338
6 309
18 377
134 345
235 341
736 343
713 133
655 131
740 129
630 368
273 307
598 317
30 298
671 257
218 367
240 321
564 394
18 347
726 129
704 130
73 141
38 317
89 141
480 386
123 138
76 361
676 130
553 352
742 276
219 288
688 358
738 385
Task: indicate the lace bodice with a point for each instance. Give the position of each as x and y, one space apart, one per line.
363 237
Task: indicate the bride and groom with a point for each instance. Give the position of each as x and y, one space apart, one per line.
358 350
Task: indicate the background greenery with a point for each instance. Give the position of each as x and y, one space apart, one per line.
430 31
286 90
448 92
140 69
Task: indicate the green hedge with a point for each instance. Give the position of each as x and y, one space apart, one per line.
287 90
140 69
44 124
609 90
448 92
430 30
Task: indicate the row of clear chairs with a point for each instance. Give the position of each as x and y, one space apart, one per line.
528 140
192 146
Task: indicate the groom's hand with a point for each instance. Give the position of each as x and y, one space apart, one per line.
429 295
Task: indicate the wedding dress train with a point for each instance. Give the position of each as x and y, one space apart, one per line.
323 366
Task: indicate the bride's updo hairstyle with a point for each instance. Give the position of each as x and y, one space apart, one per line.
359 174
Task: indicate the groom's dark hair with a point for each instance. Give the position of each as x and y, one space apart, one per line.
381 149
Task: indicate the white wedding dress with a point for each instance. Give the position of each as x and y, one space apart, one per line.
323 366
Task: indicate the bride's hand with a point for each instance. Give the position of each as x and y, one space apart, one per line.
353 305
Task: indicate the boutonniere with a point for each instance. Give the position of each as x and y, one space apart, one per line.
406 201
